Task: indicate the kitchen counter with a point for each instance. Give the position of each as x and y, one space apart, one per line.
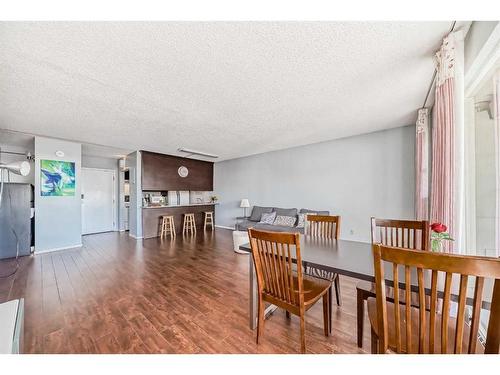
183 205
152 216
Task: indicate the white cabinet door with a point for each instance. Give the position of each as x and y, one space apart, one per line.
97 200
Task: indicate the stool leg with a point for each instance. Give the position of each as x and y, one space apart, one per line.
162 231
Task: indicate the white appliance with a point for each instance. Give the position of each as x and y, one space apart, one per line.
172 198
183 198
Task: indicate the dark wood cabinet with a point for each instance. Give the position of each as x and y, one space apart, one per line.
160 173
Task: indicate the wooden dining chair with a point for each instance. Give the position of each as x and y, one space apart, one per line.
401 233
281 284
408 329
323 226
327 227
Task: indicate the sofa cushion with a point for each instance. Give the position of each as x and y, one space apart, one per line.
268 218
257 212
277 228
286 221
307 211
286 212
244 225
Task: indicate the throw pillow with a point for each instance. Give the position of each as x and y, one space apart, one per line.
302 219
257 212
267 218
285 221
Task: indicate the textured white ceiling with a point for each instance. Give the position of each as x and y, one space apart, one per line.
229 88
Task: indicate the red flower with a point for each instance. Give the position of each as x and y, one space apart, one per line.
439 228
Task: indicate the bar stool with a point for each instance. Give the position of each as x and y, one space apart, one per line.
189 224
209 220
167 226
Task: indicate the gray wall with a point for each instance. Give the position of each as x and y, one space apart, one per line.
58 220
357 177
133 163
106 163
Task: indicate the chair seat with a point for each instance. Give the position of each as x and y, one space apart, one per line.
314 289
372 314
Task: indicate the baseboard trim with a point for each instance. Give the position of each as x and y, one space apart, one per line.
57 249
224 227
135 237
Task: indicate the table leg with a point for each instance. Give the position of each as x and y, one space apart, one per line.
252 294
360 315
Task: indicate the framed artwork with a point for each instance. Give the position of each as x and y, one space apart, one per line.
57 178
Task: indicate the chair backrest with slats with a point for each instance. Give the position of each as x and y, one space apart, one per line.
323 226
406 234
437 263
273 253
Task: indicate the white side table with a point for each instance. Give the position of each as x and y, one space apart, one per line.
240 238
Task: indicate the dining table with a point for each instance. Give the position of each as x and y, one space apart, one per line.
353 259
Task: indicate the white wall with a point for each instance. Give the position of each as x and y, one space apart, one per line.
57 219
106 163
475 39
485 185
356 177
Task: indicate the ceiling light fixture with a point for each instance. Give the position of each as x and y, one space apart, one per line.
192 152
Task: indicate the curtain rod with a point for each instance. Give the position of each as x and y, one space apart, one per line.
435 70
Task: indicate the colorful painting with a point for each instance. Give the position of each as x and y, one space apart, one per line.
57 178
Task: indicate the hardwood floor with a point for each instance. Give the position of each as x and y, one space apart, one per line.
187 295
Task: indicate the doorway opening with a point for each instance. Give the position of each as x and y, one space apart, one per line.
124 199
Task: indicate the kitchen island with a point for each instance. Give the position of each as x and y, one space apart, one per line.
151 216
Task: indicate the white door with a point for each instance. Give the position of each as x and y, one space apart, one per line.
97 200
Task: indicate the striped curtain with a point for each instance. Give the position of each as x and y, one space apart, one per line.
447 181
496 111
422 165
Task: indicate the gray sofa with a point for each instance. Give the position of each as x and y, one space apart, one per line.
253 220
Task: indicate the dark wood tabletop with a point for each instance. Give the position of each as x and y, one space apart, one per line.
349 258
355 259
